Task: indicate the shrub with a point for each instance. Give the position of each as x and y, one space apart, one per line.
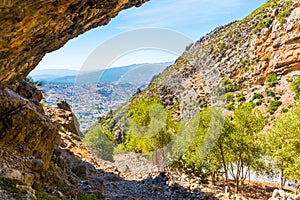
228 85
295 85
230 107
228 96
272 80
289 79
269 92
262 24
35 83
276 98
257 96
297 96
283 15
99 142
266 59
42 195
284 110
273 106
258 103
10 186
85 196
241 98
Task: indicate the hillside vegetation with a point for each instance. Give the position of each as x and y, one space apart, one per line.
228 104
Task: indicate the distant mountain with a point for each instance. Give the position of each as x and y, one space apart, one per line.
51 74
136 74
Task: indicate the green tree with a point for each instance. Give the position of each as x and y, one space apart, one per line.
244 152
150 126
282 145
98 142
35 83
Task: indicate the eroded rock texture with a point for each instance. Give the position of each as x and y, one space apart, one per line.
30 29
27 135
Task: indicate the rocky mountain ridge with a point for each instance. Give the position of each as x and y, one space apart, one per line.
230 65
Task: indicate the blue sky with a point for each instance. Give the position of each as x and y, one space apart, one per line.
191 18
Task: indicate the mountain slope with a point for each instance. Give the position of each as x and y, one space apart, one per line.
230 64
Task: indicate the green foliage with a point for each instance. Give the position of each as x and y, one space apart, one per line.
265 59
98 141
86 196
257 96
222 46
289 79
243 147
228 96
35 83
285 13
272 80
42 195
269 92
230 107
150 126
262 24
295 85
282 144
228 86
273 106
261 9
241 98
224 143
297 96
197 158
284 110
10 186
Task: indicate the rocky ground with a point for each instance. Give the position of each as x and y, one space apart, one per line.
138 178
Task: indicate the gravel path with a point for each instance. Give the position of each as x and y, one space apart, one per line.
138 178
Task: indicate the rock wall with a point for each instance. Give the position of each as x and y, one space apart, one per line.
27 134
30 29
278 46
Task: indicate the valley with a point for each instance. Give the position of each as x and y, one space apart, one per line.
209 126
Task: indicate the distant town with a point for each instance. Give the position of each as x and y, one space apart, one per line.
88 101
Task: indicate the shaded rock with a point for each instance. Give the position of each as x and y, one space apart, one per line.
23 122
27 90
62 104
80 169
36 165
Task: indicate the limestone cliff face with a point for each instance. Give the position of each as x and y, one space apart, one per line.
27 134
279 47
30 29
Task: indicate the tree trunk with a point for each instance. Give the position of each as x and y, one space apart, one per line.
281 179
213 177
225 168
237 176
